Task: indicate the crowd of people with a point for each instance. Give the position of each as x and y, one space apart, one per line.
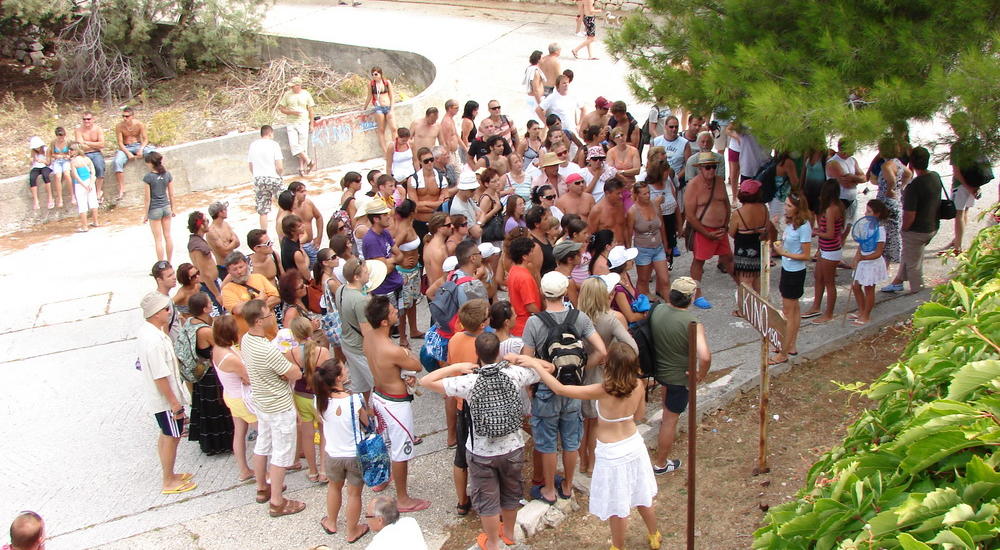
539 251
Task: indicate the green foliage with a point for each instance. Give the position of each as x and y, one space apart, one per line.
920 471
789 68
165 127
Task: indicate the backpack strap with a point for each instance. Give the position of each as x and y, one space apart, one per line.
547 318
340 309
571 317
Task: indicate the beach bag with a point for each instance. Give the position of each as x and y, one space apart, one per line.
444 306
495 403
192 366
642 333
373 455
564 348
493 230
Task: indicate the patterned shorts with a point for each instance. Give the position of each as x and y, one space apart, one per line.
330 323
409 294
264 189
589 26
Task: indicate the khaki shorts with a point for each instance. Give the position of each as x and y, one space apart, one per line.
276 434
495 482
344 468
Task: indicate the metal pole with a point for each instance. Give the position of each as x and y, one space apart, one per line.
765 379
692 427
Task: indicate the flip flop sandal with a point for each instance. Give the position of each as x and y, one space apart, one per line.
536 493
313 478
559 490
182 488
298 466
463 509
810 315
287 508
481 539
359 537
321 524
186 477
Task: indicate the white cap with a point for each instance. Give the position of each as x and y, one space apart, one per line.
487 249
450 263
467 181
554 284
611 279
619 255
153 303
35 142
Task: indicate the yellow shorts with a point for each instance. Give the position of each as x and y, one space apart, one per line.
239 409
306 406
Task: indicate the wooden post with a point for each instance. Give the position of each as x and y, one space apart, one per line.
765 390
692 427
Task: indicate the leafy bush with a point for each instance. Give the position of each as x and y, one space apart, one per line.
920 471
165 127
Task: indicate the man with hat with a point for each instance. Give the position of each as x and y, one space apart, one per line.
297 106
567 254
463 204
378 244
599 116
221 237
549 163
597 173
706 209
554 417
669 326
575 200
164 395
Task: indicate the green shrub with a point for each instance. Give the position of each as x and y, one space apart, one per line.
165 127
920 471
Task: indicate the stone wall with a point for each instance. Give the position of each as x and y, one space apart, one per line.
607 5
221 162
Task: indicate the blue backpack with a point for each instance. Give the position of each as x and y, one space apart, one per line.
444 306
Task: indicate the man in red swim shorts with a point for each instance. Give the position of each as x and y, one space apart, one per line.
706 208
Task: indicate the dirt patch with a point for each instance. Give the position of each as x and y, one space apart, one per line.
193 106
812 417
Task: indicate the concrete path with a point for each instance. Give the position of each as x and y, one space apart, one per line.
80 448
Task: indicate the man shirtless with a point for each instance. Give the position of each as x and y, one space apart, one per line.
610 212
425 132
428 191
549 65
575 200
263 259
201 253
598 117
706 208
221 236
391 399
132 142
436 249
448 135
312 221
91 137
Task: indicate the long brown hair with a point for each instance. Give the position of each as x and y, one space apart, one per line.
802 213
622 370
324 382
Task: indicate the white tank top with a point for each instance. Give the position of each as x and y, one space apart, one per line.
847 166
402 164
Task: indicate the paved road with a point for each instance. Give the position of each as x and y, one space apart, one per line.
80 448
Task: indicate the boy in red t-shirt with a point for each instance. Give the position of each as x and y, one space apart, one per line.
522 288
462 349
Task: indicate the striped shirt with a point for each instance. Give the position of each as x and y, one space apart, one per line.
265 366
833 243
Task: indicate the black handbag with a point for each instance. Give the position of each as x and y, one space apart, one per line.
947 210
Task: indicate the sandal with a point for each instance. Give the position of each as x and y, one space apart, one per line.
298 466
313 477
182 488
559 489
364 532
287 508
536 493
655 540
323 525
463 509
264 495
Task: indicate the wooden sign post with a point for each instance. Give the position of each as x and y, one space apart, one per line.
770 323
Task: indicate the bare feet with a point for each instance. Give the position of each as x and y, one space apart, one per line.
413 505
822 319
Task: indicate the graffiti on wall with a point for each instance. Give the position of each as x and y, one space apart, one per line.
341 129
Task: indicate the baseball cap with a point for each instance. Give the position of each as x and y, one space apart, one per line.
685 285
602 103
620 255
750 186
554 284
35 142
216 207
573 178
152 303
487 250
565 248
450 263
611 279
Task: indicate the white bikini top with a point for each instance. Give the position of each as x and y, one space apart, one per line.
597 405
412 245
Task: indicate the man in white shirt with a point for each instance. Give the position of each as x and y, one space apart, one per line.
844 168
391 531
165 396
265 160
297 105
561 104
677 148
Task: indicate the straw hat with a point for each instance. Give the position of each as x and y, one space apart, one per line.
549 159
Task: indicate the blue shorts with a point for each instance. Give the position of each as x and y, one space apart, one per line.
121 160
100 163
382 109
649 255
158 213
555 417
435 349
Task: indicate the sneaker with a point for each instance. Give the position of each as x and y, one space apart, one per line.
702 303
897 287
670 466
676 252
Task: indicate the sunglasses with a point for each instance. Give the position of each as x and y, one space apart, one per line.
497 108
711 167
598 159
86 119
126 116
162 264
427 160
562 154
268 243
463 224
195 274
673 127
549 197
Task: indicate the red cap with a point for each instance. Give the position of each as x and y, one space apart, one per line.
573 178
602 103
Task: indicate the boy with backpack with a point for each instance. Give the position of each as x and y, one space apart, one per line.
495 449
557 335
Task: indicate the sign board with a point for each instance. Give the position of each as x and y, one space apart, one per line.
761 315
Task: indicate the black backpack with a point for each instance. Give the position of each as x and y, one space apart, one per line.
564 348
495 403
642 333
767 175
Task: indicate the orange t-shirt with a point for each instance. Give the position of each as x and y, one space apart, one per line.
462 349
522 290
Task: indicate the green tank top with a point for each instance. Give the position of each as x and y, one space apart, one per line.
670 341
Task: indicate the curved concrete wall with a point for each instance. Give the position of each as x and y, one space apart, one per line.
220 162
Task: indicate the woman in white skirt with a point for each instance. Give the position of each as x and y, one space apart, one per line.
623 475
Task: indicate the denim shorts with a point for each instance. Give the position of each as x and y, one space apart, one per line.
158 213
649 255
382 109
555 417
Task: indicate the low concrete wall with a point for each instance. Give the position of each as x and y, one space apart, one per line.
221 161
